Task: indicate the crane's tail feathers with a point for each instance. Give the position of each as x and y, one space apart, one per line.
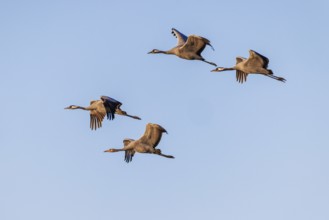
158 152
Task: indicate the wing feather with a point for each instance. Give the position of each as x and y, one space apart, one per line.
110 105
97 114
152 135
127 141
195 44
241 76
257 60
129 154
181 38
240 59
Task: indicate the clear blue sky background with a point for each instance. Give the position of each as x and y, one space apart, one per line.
252 152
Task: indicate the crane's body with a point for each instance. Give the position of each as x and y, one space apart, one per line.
98 109
255 64
189 48
145 144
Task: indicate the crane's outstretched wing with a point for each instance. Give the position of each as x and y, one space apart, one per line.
110 105
181 38
256 59
195 44
240 75
240 59
129 154
152 135
97 114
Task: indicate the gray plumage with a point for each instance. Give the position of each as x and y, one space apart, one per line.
255 64
99 108
189 48
145 144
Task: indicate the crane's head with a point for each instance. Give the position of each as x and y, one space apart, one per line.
155 51
72 107
111 150
218 69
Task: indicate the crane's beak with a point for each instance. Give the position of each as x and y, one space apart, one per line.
107 150
214 70
67 107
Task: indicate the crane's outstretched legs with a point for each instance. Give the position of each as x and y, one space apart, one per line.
211 63
276 77
118 111
158 152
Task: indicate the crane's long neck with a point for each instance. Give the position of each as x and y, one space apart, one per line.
165 52
173 51
125 148
117 150
113 150
84 108
228 68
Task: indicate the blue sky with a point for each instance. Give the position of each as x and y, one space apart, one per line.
253 151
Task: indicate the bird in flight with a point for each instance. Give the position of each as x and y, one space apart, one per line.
145 144
99 108
255 64
189 48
